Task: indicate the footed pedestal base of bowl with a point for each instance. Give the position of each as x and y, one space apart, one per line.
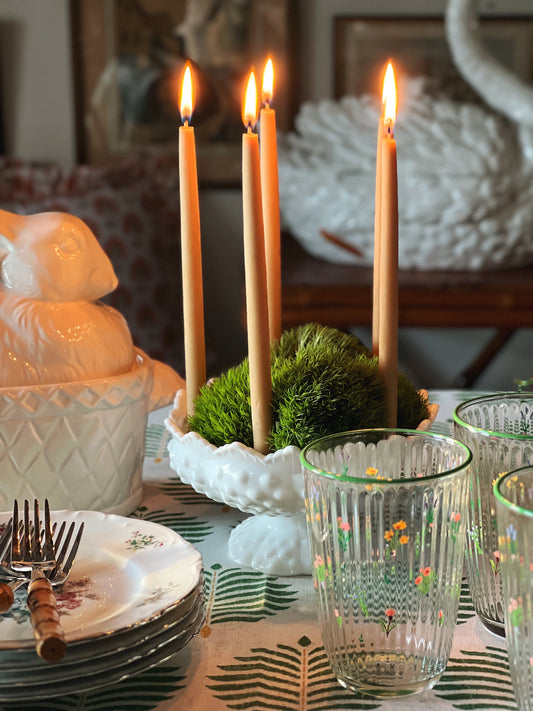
277 545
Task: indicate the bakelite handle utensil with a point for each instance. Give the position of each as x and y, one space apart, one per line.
33 557
49 637
29 555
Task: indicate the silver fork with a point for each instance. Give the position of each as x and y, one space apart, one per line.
11 580
36 559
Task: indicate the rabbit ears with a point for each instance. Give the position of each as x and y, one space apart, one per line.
6 243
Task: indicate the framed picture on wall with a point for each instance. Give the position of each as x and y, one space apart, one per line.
129 57
418 47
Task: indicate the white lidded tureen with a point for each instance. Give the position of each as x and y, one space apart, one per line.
75 393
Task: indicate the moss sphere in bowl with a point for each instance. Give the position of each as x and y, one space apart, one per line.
323 381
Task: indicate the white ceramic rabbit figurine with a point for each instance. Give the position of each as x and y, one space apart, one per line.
53 256
52 271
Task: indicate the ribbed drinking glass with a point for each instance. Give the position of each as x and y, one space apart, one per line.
514 512
386 519
498 429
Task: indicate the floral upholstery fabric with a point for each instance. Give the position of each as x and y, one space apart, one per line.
133 210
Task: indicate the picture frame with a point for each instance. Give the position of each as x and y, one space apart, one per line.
129 57
418 46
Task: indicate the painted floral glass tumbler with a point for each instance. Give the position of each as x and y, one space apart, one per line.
498 429
386 518
514 508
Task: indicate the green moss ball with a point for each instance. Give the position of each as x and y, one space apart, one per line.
323 381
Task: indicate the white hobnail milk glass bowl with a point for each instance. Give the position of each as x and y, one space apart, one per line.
270 486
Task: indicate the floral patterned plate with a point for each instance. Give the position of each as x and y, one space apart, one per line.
15 661
127 573
101 671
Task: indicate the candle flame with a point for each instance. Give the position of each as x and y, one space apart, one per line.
249 115
389 96
186 101
268 82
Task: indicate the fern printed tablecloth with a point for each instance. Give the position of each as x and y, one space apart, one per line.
260 646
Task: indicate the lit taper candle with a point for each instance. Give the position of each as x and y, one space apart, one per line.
388 268
191 256
270 194
377 224
255 276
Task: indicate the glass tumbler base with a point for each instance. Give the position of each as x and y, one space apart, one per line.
388 692
497 628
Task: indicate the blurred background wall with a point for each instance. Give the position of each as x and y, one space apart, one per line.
37 99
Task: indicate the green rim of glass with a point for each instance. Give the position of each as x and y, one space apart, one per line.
513 395
502 499
385 430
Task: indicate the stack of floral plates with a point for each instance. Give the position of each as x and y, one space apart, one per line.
134 598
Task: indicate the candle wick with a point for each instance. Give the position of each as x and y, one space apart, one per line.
186 122
249 128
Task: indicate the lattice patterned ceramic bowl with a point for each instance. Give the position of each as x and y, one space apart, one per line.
270 487
81 444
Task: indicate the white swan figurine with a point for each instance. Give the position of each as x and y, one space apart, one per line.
465 171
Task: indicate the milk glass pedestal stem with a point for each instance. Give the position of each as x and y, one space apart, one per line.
386 517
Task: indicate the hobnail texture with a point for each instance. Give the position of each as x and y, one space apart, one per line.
273 540
386 519
514 507
498 429
81 444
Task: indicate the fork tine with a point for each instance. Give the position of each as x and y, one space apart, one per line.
63 551
15 537
70 559
59 536
5 539
48 548
37 551
26 544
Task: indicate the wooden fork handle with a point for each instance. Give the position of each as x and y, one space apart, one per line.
47 632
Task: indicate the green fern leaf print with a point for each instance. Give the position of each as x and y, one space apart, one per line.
183 493
466 606
284 678
478 680
193 529
235 595
155 444
142 693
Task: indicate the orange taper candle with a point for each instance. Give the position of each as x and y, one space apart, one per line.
270 195
255 276
377 228
191 256
388 271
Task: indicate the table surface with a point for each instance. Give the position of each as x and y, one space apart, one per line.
260 647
